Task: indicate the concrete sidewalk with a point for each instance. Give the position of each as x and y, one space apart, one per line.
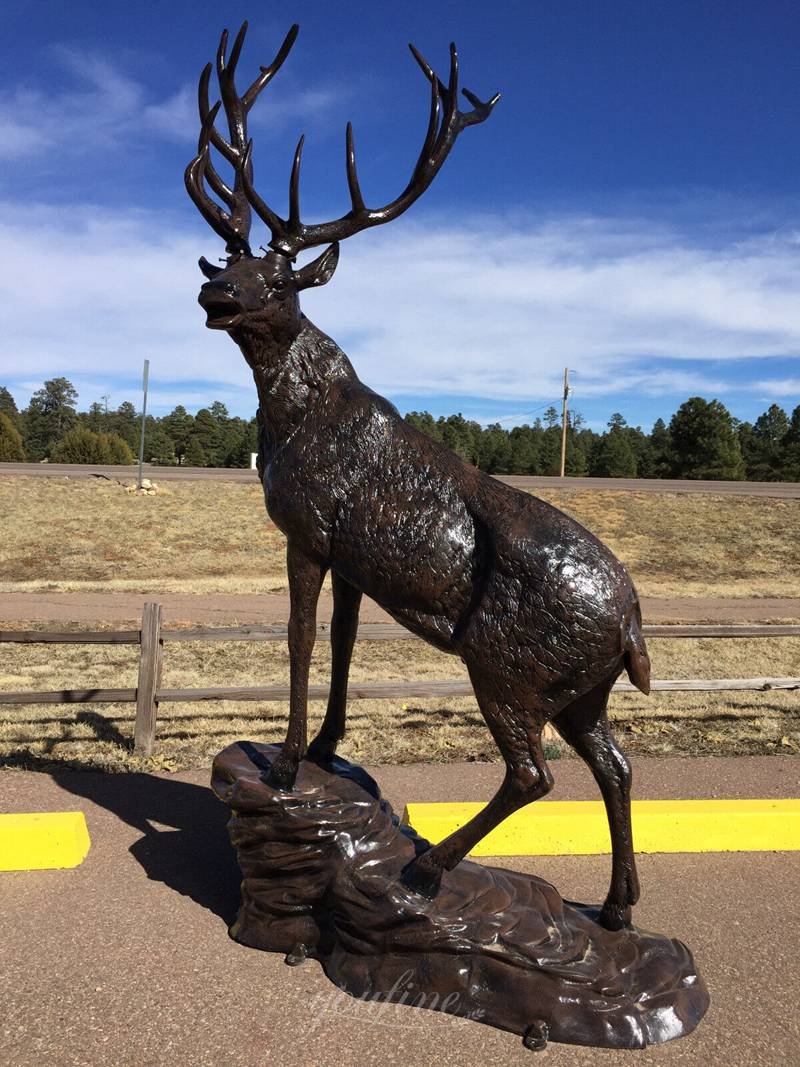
126 960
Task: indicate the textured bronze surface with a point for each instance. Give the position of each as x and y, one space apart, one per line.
542 614
321 868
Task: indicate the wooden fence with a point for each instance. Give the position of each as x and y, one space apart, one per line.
151 638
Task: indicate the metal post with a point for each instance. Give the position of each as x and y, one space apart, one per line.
145 375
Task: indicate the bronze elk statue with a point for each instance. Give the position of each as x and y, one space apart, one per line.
540 611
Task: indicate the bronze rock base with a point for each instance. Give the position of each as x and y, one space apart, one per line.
321 872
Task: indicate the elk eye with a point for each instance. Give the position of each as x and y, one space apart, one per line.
280 285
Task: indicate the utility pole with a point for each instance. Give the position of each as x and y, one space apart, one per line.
105 398
145 375
564 422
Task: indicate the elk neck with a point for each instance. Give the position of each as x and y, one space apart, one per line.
292 368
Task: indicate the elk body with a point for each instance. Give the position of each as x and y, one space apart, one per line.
542 614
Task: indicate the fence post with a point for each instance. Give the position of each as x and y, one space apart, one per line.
149 679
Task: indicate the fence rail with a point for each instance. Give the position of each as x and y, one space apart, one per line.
151 637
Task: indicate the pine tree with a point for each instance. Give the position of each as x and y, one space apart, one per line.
495 450
50 414
125 423
425 423
206 431
11 450
524 450
661 457
550 451
7 405
765 449
178 427
613 456
704 444
195 456
790 470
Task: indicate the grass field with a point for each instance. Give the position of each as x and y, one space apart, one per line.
380 731
204 537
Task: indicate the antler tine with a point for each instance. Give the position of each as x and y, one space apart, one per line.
268 73
214 179
356 199
294 186
433 121
236 51
263 210
234 108
451 107
220 221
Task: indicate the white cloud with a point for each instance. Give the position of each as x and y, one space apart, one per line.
481 310
105 106
175 117
775 388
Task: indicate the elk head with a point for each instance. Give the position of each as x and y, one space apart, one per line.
264 289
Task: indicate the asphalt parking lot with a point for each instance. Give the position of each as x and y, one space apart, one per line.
125 960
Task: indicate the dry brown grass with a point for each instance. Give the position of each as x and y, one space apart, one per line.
379 731
207 537
86 535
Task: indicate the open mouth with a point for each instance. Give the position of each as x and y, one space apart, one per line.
222 312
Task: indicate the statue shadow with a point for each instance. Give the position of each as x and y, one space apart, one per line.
188 849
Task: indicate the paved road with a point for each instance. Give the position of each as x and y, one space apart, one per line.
779 490
220 609
126 959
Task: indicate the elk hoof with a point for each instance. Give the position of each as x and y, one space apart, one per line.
282 774
422 878
297 955
536 1036
615 917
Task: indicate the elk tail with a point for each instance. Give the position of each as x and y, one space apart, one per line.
635 657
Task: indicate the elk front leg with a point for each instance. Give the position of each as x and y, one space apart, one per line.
344 626
305 581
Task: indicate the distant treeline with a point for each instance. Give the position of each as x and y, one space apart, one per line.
51 428
702 439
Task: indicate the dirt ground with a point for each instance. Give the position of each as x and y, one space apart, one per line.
64 610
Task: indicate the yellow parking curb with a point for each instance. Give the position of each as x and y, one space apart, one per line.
580 827
43 840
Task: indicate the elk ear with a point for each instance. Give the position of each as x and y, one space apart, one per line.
208 269
319 270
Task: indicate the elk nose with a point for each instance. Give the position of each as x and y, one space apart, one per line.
215 288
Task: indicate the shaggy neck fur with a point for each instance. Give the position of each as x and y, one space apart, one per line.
292 366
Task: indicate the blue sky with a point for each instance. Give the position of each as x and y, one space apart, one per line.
631 209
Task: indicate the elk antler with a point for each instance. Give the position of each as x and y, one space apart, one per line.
291 236
232 225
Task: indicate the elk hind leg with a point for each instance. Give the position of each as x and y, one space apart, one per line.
584 726
516 729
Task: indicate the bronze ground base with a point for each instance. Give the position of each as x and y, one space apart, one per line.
321 877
